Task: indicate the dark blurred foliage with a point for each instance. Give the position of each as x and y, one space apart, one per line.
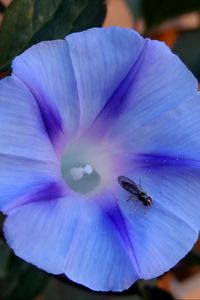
2 8
21 28
184 42
187 42
27 22
187 47
156 11
136 7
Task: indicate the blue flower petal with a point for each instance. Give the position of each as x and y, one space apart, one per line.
73 94
71 236
170 139
47 71
102 59
165 231
160 237
27 158
135 104
160 83
166 160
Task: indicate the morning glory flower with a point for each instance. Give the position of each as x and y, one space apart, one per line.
74 116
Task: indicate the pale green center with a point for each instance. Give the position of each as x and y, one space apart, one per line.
86 167
80 176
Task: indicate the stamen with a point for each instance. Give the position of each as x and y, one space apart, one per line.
88 169
76 173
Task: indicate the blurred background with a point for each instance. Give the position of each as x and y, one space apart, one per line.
175 22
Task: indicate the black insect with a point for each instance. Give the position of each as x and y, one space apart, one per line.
135 190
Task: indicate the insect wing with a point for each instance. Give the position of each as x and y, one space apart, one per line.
125 180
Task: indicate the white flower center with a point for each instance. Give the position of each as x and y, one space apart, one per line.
78 173
87 167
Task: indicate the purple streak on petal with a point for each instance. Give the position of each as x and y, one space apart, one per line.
163 93
98 76
47 71
51 119
21 126
50 191
118 101
112 211
156 160
130 161
20 176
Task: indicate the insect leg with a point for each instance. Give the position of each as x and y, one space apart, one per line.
129 198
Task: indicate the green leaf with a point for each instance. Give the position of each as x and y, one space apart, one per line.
22 20
71 16
30 21
93 15
5 254
67 290
24 281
